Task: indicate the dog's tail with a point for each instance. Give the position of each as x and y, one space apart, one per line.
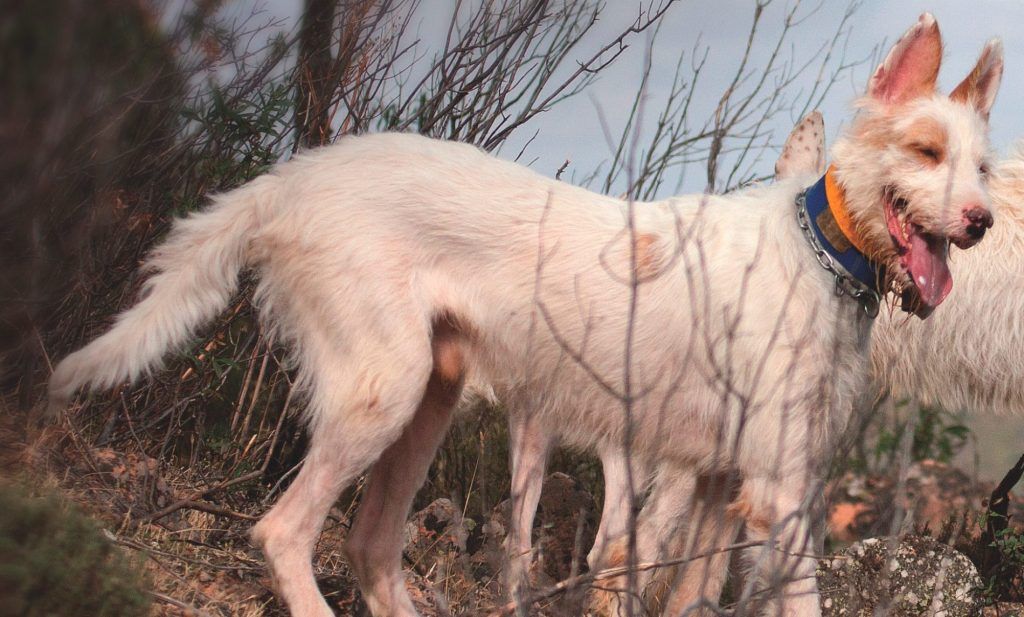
194 274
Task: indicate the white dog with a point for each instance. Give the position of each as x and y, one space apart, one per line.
702 330
966 356
962 358
802 155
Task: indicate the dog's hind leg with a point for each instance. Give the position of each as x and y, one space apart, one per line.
374 545
361 403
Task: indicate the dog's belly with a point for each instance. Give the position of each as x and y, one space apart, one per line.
759 390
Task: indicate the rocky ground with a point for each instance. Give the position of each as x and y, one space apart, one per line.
199 560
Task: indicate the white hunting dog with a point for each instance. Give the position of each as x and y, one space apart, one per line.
701 327
953 360
968 356
802 156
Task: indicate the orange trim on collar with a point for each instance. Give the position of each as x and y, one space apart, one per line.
837 204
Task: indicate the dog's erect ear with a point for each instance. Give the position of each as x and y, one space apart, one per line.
804 151
981 84
912 66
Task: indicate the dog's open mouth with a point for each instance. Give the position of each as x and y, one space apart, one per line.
922 257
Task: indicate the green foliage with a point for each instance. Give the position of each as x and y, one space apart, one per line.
938 435
54 561
243 133
1001 560
1010 543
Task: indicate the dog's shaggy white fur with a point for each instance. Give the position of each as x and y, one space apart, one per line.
803 155
966 356
969 354
700 327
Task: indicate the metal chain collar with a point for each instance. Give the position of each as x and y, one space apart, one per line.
845 283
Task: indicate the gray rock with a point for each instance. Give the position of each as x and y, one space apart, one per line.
921 577
436 536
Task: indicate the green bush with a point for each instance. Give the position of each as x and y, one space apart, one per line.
877 445
54 561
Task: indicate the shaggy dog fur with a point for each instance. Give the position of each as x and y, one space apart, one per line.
954 360
963 357
802 155
700 329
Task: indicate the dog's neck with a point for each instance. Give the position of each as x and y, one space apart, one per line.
840 212
829 221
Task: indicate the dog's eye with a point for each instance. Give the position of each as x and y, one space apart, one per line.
929 153
983 169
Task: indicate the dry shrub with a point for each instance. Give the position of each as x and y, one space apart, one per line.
54 561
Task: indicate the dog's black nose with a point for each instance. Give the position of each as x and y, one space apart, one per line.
979 219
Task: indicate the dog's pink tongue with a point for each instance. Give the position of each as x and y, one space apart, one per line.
928 268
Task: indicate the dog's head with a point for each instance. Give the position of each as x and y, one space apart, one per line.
914 162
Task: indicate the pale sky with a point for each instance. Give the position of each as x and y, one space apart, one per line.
572 129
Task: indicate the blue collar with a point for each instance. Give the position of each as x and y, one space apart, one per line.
831 238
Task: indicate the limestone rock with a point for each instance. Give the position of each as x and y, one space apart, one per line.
436 536
921 577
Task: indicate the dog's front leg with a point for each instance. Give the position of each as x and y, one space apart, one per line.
530 446
690 519
776 513
619 497
684 518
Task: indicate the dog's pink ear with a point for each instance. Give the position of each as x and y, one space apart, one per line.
912 66
981 84
804 151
